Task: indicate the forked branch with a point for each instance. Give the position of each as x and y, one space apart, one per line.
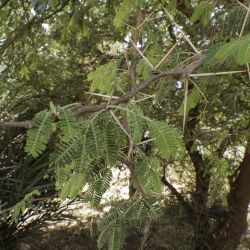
83 109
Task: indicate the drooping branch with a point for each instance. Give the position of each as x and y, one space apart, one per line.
83 109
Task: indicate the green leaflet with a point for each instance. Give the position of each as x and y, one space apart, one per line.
63 153
192 101
110 147
124 11
147 172
67 123
62 174
113 225
94 140
239 49
39 135
99 186
233 22
117 236
24 73
73 186
167 139
103 78
103 139
21 206
112 234
203 12
104 236
136 121
170 4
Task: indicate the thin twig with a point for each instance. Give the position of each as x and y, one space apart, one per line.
242 5
217 73
241 33
144 142
245 21
182 32
101 95
111 94
145 98
129 160
83 109
197 87
3 3
141 54
185 105
130 26
163 59
185 204
157 17
146 19
118 122
248 70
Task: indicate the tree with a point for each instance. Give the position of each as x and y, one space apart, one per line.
100 65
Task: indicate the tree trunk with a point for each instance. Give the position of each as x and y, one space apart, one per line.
238 201
200 198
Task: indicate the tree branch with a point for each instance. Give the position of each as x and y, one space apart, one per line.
189 210
82 109
3 3
16 124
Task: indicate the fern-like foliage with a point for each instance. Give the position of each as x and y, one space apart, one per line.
104 138
22 205
63 153
117 236
232 22
67 123
62 173
203 12
148 174
166 138
113 226
103 78
136 121
124 11
99 140
100 184
237 49
95 139
112 234
73 186
111 143
193 99
39 135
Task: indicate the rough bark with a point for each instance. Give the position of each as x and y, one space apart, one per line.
238 201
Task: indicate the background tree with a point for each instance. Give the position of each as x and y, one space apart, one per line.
112 71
